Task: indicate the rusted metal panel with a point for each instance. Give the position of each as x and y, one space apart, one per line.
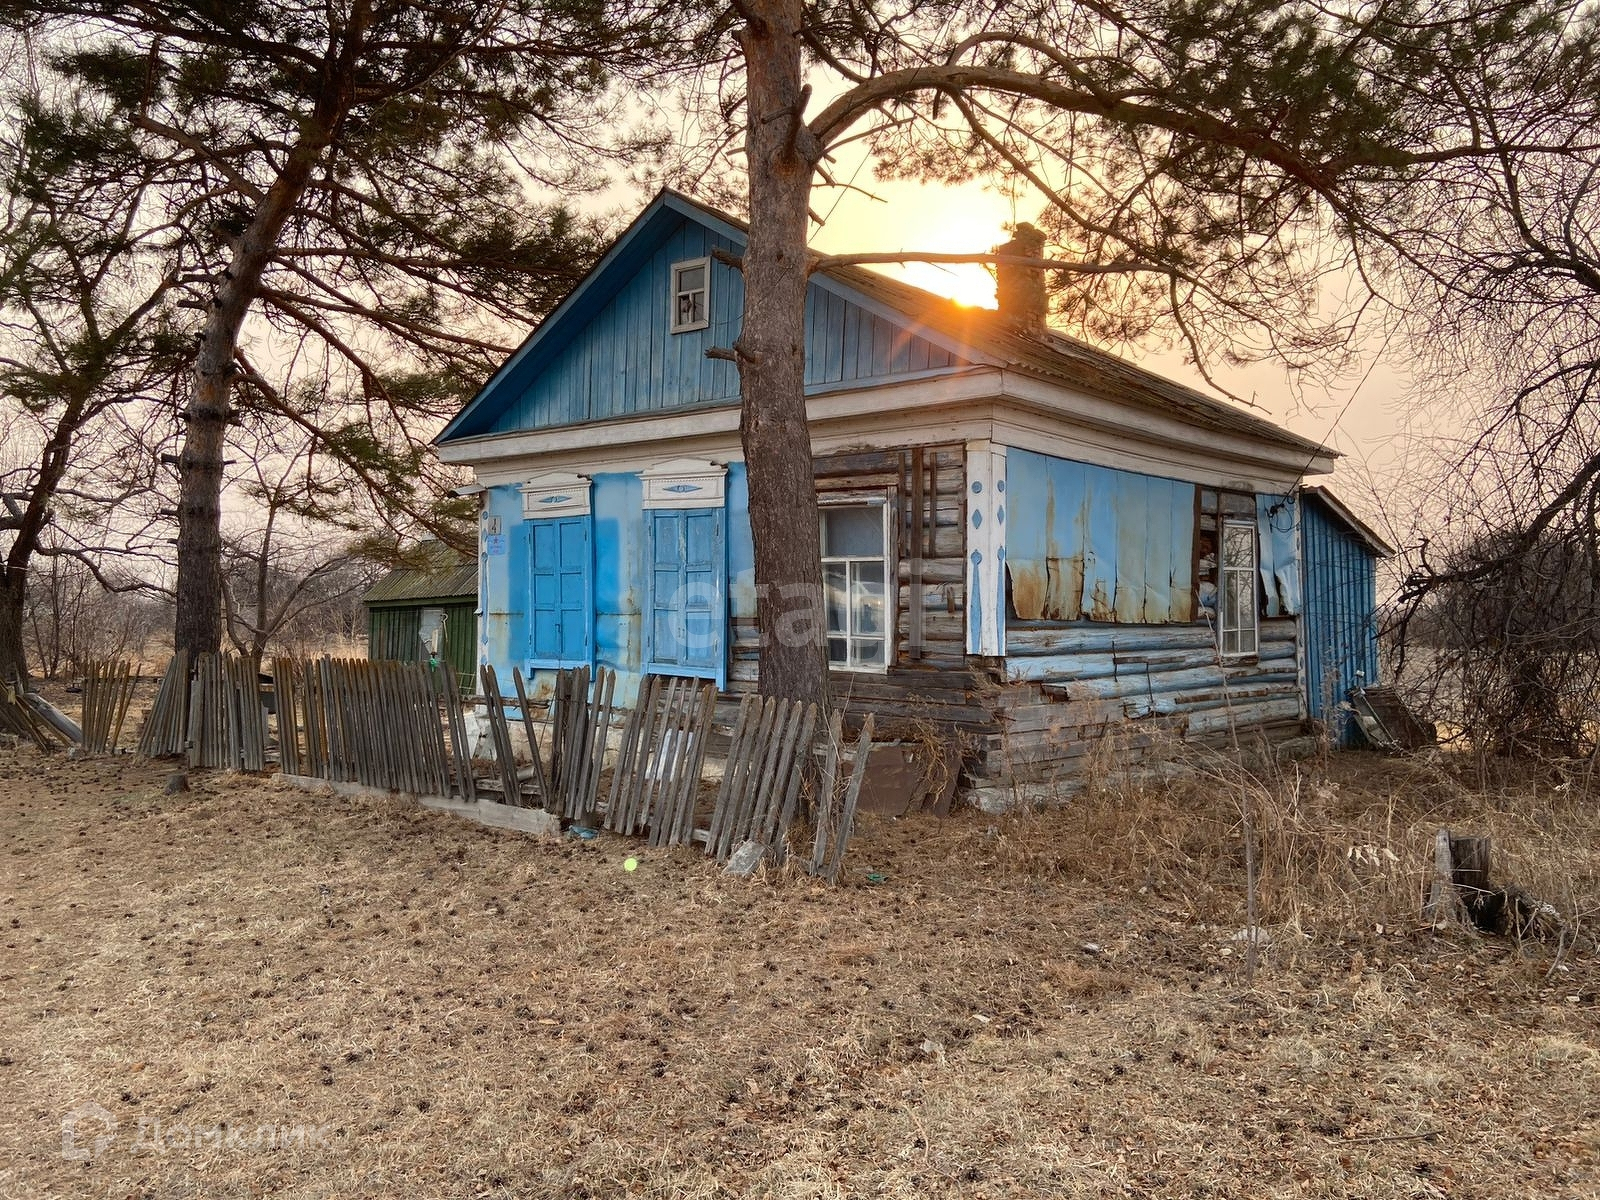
1094 543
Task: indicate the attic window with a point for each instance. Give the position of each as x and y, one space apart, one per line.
690 309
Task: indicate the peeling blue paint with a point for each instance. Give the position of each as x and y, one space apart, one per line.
1277 528
1098 543
609 350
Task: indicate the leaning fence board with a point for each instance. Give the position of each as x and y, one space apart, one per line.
768 754
164 723
107 689
500 735
622 773
656 779
678 771
826 792
598 725
852 795
774 826
541 781
461 747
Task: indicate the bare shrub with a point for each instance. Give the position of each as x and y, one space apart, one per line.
1338 850
71 619
1506 644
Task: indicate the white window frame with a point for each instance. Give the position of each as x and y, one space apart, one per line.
891 567
1245 638
679 292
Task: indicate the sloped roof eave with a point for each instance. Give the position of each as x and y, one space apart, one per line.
976 334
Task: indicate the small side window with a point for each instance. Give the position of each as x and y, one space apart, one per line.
691 308
1237 619
1227 582
856 583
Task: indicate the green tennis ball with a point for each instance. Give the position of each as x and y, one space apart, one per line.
630 864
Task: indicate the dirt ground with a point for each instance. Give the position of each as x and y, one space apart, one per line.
248 990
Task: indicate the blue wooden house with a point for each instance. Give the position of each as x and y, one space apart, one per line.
1023 537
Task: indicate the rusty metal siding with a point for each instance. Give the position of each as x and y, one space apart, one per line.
1087 542
1341 639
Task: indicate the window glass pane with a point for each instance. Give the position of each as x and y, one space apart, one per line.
839 651
1245 601
1234 605
836 593
867 597
852 532
869 652
1239 547
691 278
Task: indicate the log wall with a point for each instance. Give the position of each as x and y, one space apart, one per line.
1067 686
930 679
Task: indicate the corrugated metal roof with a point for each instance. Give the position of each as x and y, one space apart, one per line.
440 574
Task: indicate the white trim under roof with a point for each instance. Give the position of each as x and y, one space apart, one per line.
978 403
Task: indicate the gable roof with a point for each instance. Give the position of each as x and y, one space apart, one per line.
966 335
1358 528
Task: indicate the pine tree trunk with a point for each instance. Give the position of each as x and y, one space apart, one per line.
771 350
199 599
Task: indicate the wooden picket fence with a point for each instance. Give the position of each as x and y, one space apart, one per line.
107 692
761 780
405 727
656 780
392 725
213 715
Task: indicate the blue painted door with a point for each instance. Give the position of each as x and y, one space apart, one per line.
688 588
559 584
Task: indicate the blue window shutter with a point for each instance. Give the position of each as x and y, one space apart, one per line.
560 582
688 593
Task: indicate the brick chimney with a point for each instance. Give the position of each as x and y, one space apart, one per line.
1020 290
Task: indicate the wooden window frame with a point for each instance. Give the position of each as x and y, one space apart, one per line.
1225 624
1228 621
883 501
678 292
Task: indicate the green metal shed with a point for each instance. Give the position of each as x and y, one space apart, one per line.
427 611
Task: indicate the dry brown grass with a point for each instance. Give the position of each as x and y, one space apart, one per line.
1031 1005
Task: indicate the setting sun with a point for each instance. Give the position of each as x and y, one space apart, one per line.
915 217
970 284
